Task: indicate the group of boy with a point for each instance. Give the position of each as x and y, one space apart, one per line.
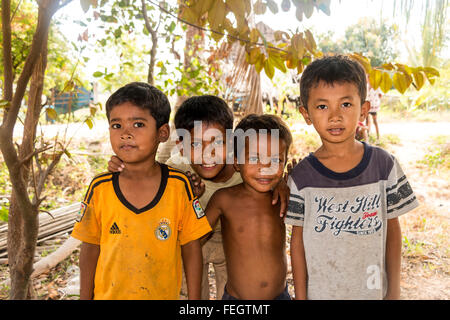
143 223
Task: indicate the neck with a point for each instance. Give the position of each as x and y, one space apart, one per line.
339 150
256 194
140 170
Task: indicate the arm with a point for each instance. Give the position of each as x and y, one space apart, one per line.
213 213
88 262
298 262
393 258
281 191
193 264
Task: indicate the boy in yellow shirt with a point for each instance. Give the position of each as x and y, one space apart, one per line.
136 225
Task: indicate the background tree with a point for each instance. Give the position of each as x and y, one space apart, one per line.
24 205
375 39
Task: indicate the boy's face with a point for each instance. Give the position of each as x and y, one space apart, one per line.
264 163
133 134
207 150
334 110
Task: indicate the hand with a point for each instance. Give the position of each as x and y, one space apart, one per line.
198 185
291 165
281 191
115 164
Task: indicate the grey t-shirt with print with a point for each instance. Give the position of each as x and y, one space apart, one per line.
344 219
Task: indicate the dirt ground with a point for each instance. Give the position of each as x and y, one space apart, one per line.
417 145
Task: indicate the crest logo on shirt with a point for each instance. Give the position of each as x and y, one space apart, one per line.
81 212
198 209
163 231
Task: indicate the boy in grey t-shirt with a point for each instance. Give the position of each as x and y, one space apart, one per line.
346 196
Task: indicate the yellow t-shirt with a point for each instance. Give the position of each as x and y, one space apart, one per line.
140 249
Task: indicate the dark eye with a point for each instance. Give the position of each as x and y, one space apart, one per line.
347 104
322 107
138 125
115 126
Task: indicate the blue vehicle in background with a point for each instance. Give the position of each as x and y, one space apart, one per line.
69 102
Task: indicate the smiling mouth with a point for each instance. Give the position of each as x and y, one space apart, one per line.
208 166
264 180
335 131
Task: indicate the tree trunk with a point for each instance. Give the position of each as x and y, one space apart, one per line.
23 214
154 36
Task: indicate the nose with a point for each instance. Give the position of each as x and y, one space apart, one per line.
126 135
267 169
335 114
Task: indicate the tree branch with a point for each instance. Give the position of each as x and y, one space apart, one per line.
7 56
45 13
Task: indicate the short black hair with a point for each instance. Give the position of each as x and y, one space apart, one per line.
264 121
333 69
144 96
207 108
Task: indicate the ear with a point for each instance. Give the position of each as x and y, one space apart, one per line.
164 133
364 110
305 114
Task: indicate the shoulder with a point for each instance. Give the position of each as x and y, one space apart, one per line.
180 180
225 194
303 174
97 181
382 160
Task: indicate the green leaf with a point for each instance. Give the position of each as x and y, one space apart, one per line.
269 69
375 78
67 153
217 14
299 13
89 123
272 6
85 5
259 7
308 8
324 5
4 104
97 74
400 82
310 42
51 113
277 62
286 5
419 79
386 82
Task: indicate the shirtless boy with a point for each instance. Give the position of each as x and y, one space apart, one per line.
253 234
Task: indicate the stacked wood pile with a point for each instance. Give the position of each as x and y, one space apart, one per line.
54 228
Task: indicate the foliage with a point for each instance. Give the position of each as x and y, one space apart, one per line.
434 28
22 31
373 38
438 156
292 51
